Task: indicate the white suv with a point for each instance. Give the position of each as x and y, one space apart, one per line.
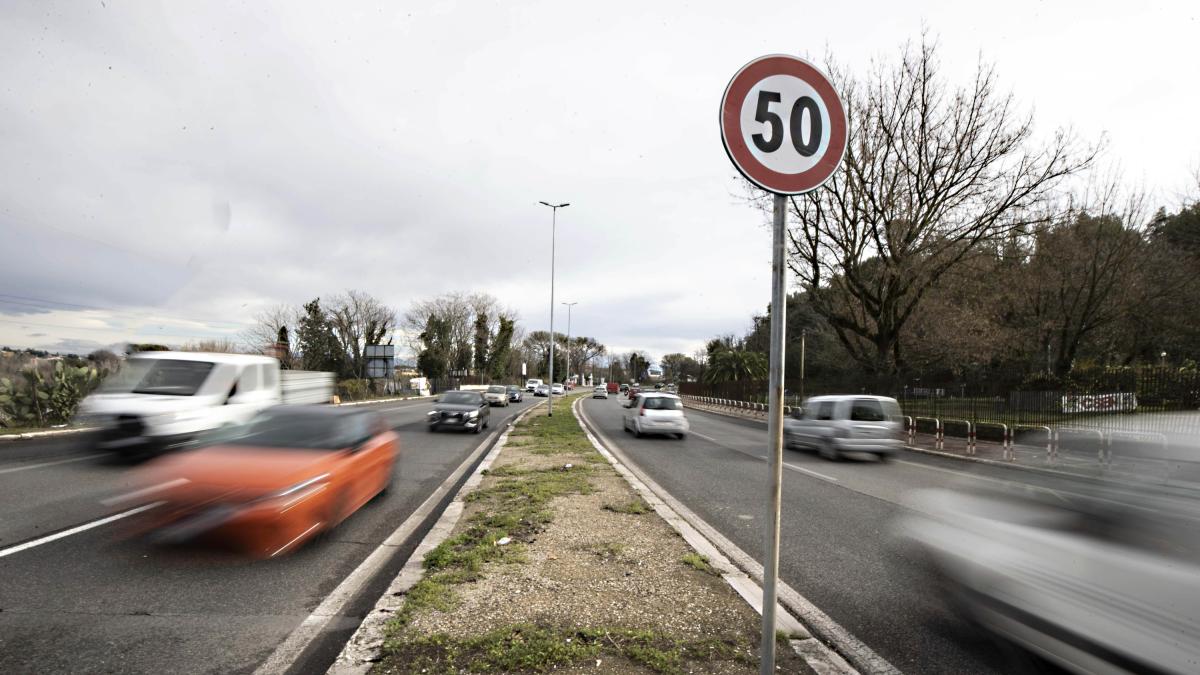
839 424
654 413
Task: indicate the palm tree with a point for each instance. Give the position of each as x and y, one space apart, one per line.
735 365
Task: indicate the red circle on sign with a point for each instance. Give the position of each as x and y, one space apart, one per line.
734 140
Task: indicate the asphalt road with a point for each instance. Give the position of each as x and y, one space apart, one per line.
92 602
837 544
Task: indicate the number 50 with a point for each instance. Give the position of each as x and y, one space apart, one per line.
796 123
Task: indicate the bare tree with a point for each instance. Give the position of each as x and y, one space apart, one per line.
264 337
358 320
930 175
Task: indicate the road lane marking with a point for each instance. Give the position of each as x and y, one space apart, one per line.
77 529
61 461
138 494
793 467
814 474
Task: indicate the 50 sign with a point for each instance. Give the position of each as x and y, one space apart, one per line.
783 124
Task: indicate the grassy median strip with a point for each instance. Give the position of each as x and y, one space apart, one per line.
556 564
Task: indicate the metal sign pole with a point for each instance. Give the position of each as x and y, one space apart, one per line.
774 433
550 394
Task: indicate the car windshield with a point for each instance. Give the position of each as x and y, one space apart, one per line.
169 377
496 390
662 403
460 397
295 429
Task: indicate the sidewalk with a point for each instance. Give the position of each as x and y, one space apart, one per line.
1079 453
549 560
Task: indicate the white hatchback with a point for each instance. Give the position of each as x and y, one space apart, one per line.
655 413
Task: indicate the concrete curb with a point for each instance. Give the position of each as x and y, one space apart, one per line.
744 575
385 400
365 646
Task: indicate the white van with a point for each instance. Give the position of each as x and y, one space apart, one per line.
532 385
835 425
161 400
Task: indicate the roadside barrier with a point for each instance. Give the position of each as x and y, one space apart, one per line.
970 434
910 427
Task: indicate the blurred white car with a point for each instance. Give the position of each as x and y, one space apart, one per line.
835 425
654 413
1104 583
541 390
557 389
600 392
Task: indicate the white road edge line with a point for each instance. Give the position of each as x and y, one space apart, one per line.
722 552
76 530
793 467
363 648
331 608
61 461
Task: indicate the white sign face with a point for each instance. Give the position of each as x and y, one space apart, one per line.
783 124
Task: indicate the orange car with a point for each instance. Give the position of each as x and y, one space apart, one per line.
270 485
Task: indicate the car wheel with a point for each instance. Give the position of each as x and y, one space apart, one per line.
637 430
680 436
829 452
884 457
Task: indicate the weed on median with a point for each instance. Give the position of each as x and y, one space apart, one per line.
636 507
700 563
535 648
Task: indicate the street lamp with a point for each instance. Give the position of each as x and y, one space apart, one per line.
553 227
1163 363
569 306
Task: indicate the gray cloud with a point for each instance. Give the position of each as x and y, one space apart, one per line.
206 161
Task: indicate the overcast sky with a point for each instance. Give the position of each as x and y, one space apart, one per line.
168 170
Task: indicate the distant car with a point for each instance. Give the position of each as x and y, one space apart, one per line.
460 410
515 395
557 389
600 392
672 389
654 413
835 425
268 485
497 394
658 385
631 392
541 390
624 388
614 387
531 385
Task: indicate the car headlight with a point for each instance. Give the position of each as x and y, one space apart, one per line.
433 413
474 413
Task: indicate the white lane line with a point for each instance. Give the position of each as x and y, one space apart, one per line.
76 530
138 494
793 467
61 461
814 474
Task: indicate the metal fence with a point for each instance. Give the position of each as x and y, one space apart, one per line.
1131 400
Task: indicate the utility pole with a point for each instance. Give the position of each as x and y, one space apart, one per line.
553 227
569 306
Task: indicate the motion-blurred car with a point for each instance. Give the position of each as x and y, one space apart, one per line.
1095 579
835 425
624 388
515 395
497 394
532 384
541 390
267 486
557 389
672 389
654 413
460 410
613 387
600 392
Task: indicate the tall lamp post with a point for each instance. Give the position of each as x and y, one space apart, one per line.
569 306
553 227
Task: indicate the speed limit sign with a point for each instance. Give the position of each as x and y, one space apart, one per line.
783 124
